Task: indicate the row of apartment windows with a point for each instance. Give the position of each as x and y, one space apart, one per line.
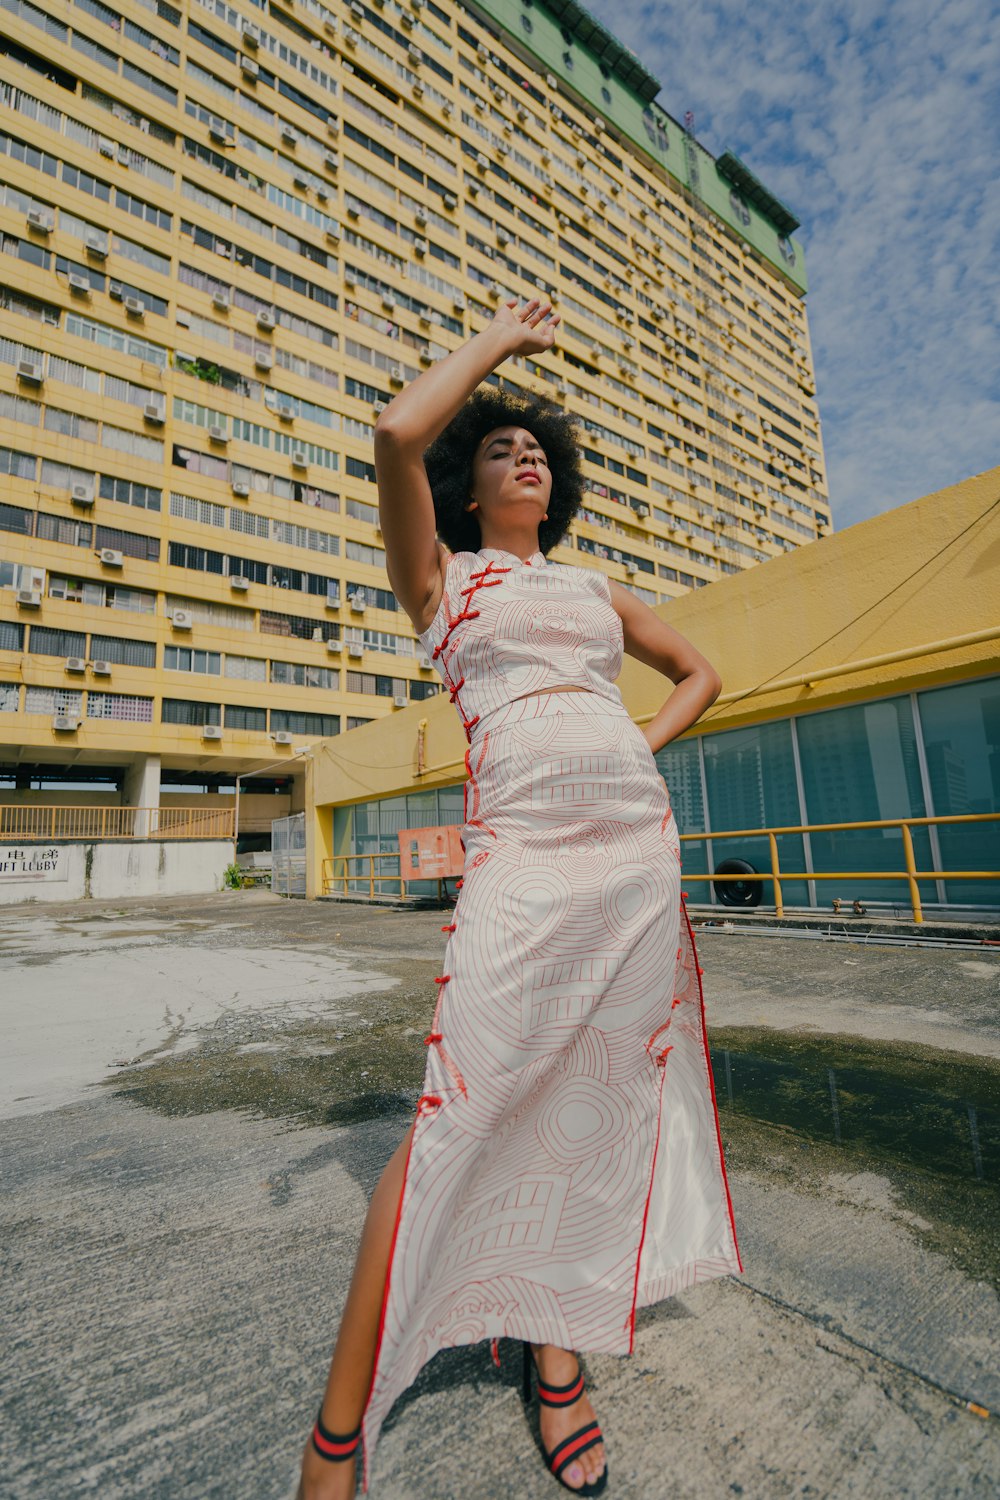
135 708
44 640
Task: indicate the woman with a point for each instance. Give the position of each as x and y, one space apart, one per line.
560 1171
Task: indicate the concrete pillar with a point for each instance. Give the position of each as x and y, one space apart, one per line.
141 788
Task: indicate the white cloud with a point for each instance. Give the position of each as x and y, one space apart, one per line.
880 129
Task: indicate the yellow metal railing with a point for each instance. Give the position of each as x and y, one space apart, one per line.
34 824
337 879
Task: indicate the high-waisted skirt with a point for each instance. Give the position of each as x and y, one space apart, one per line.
566 1165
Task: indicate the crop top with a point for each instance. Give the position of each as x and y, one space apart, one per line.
505 628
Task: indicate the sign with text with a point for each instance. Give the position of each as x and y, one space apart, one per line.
29 863
431 853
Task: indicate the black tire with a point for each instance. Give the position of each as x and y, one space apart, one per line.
738 892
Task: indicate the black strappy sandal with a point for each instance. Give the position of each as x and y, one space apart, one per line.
335 1447
588 1436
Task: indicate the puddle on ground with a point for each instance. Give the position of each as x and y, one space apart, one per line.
834 1115
819 1111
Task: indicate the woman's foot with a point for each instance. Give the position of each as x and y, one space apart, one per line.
322 1480
558 1367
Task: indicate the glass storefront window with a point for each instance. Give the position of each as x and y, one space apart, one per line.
859 763
961 735
750 775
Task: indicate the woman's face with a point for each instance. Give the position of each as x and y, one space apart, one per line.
503 494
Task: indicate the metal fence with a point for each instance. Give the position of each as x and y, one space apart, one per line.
34 824
288 855
379 875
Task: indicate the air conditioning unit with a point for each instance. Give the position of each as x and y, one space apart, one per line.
355 649
40 218
400 700
249 66
425 664
378 407
217 433
96 246
211 732
642 509
300 179
396 374
68 722
482 159
101 668
263 360
335 647
333 233
221 301
30 370
79 494
281 737
153 413
238 582
29 598
106 145
240 489
78 283
357 603
251 35
110 558
75 664
420 247
289 134
300 459
217 132
631 569
265 318
331 161
450 201
135 306
181 619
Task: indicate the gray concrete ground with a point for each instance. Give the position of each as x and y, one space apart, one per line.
197 1098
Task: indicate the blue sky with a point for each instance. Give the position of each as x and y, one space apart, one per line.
879 125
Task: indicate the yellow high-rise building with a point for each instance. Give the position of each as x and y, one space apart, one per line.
231 234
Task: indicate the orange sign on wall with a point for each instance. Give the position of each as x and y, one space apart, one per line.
431 853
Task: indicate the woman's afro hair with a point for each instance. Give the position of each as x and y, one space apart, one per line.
448 462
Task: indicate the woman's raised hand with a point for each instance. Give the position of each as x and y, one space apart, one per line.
530 330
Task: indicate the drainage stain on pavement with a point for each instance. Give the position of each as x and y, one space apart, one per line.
359 1067
821 1109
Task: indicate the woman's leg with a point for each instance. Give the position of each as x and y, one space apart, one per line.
354 1352
354 1355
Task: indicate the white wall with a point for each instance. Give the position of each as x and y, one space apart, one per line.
74 872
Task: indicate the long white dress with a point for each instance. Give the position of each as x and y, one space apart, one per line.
566 1165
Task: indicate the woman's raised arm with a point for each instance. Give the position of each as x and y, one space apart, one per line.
412 421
